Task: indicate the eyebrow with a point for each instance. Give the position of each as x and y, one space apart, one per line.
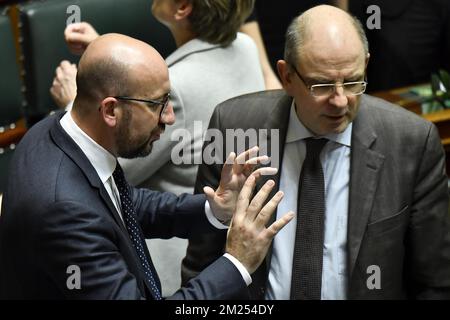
160 97
163 96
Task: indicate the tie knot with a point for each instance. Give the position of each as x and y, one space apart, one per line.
314 147
118 175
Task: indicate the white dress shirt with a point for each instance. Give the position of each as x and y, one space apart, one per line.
335 160
102 160
104 164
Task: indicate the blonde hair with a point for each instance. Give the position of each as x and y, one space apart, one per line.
218 21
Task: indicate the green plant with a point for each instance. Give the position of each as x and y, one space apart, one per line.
440 93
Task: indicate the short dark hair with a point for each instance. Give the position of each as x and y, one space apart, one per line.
101 78
218 21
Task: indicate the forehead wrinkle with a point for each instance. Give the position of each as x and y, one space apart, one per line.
324 66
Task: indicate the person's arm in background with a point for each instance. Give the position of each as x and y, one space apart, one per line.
251 28
64 86
78 36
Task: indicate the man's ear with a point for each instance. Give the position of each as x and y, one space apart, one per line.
109 111
184 9
285 74
367 59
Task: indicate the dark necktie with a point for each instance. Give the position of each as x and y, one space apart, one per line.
306 280
129 217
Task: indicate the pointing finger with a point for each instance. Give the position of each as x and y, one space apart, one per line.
227 169
275 227
264 215
259 200
244 156
269 171
244 197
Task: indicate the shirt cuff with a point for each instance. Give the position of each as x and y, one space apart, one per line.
69 106
212 219
244 273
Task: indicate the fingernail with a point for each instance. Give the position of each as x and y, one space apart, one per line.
270 183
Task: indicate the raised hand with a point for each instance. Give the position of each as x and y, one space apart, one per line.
248 238
64 87
234 173
78 36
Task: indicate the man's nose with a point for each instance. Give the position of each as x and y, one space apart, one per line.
168 116
338 98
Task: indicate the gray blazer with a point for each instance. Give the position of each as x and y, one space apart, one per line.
398 212
202 75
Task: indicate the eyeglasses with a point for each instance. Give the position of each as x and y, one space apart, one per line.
353 88
164 102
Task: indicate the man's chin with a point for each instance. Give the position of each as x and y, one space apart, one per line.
138 153
144 153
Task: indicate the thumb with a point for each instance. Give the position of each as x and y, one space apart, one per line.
210 193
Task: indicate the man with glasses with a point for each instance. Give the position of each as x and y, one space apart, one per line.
73 228
212 63
163 103
366 178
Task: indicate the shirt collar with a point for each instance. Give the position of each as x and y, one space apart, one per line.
103 161
297 131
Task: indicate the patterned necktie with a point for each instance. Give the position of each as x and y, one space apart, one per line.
306 280
129 216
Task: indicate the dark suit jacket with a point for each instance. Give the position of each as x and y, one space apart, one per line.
398 208
57 213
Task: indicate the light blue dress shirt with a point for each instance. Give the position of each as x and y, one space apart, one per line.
335 159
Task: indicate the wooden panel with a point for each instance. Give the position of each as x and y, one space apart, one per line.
14 17
12 136
394 96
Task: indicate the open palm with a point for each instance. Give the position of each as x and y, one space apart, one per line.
234 173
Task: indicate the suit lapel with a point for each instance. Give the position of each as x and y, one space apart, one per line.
278 119
106 198
364 174
71 149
